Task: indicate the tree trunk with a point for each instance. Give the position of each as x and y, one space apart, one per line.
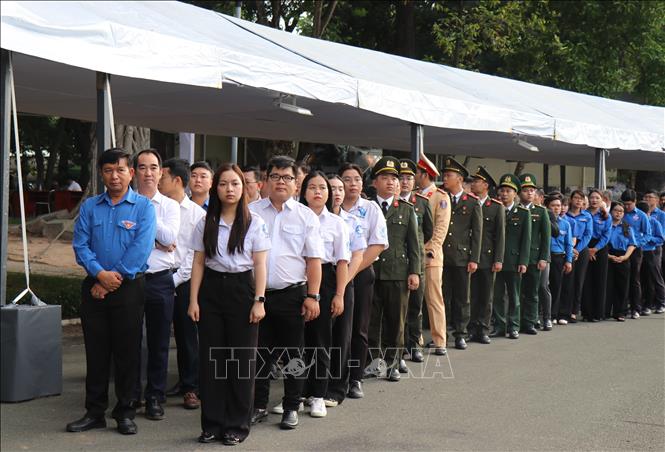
406 28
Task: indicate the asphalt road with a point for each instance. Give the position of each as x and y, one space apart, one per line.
580 387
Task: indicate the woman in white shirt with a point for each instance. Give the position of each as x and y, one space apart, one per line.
316 194
226 299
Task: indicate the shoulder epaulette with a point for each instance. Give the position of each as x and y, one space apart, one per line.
471 195
405 202
496 201
441 190
523 208
422 196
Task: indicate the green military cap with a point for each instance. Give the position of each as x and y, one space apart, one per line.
528 180
386 165
482 174
510 180
407 166
452 165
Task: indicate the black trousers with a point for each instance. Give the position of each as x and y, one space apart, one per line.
112 332
482 290
158 314
595 287
618 285
227 352
338 383
556 280
545 295
654 289
413 328
186 340
456 285
573 286
635 292
362 307
283 330
318 338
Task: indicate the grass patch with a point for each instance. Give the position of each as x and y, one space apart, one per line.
62 290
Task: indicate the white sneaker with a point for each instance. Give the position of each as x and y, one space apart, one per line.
636 315
330 403
318 408
563 322
279 409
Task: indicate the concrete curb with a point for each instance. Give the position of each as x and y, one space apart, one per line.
76 321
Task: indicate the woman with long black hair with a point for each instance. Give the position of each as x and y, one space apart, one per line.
316 194
622 243
226 299
595 285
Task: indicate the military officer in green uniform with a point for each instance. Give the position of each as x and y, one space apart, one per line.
414 318
515 260
491 256
461 249
396 270
539 255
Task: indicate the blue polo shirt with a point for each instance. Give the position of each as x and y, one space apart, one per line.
639 222
601 229
659 214
618 241
563 243
582 228
116 237
656 237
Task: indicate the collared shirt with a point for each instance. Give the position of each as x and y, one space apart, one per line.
618 241
357 241
659 214
656 237
510 207
205 203
455 198
190 216
639 221
482 201
388 201
294 234
372 220
256 239
601 229
167 212
335 235
582 228
563 243
115 237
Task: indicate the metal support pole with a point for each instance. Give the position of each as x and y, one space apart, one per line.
417 141
5 101
103 130
546 177
599 170
234 140
562 178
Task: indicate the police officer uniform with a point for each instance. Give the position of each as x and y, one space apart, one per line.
492 248
541 235
392 269
518 244
414 317
462 245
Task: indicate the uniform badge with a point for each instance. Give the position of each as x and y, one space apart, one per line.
527 179
390 164
395 203
128 224
487 203
404 165
443 204
362 212
464 198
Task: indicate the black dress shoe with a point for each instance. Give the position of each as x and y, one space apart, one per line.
126 426
176 390
440 351
258 415
417 356
289 420
231 439
355 390
513 335
402 367
460 343
86 423
531 330
484 339
430 344
154 410
393 375
497 333
207 437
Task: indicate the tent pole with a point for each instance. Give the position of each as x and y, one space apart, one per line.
546 177
234 140
417 141
562 178
4 175
599 170
103 130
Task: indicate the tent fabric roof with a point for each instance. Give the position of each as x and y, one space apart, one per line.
169 60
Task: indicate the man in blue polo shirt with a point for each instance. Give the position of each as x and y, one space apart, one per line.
639 221
113 238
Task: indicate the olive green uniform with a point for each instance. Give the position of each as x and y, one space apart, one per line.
540 251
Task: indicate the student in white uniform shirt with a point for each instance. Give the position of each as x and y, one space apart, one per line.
174 179
294 277
376 235
227 299
159 287
342 325
315 194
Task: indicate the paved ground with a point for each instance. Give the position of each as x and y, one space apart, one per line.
579 387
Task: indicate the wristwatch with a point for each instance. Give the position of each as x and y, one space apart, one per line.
315 297
260 299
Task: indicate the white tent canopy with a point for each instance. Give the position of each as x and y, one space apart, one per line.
169 61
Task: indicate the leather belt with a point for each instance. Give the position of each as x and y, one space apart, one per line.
286 289
168 271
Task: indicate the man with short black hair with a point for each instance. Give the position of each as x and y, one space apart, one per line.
253 183
113 236
200 182
639 222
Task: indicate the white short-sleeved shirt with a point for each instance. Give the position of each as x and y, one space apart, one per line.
372 220
335 235
190 216
295 235
357 241
167 212
256 239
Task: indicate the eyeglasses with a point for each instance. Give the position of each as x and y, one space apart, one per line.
286 178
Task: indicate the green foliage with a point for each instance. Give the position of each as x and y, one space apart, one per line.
50 289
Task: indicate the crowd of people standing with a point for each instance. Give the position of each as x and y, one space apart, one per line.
315 276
